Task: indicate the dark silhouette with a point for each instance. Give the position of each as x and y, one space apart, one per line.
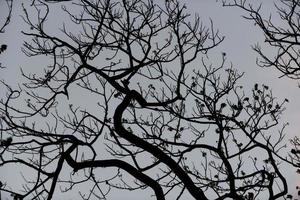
130 88
9 3
282 35
7 20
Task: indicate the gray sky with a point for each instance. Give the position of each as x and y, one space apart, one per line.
239 34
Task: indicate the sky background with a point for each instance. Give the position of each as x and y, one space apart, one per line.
239 34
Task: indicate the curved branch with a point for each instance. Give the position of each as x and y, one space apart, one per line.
122 165
196 192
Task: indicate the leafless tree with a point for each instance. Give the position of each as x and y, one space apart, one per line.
282 36
128 100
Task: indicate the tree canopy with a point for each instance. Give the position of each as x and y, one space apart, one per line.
127 98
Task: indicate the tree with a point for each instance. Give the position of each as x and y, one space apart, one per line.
130 91
282 36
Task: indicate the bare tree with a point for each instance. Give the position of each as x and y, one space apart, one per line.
128 100
282 36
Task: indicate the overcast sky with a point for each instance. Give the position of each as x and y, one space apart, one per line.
239 34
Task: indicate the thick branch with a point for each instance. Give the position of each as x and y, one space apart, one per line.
196 192
122 165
